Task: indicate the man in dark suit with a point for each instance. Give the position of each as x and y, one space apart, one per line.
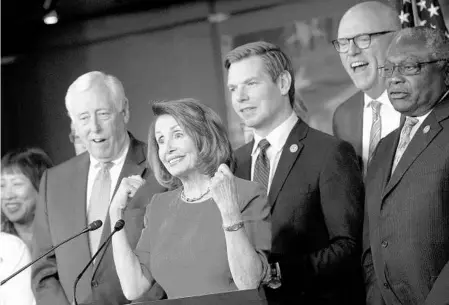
406 230
364 33
77 192
313 183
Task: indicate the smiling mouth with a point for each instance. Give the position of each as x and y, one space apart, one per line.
12 207
247 109
358 66
98 140
174 160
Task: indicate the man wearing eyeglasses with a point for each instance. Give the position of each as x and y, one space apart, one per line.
364 34
406 227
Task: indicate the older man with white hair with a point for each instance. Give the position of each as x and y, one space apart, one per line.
78 192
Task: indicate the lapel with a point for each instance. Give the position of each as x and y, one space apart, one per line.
290 152
76 208
134 164
420 141
243 169
358 104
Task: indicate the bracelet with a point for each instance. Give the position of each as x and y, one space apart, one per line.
235 227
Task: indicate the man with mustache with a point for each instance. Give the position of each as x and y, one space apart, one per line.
364 34
406 227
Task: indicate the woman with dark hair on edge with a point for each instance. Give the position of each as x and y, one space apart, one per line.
211 232
21 173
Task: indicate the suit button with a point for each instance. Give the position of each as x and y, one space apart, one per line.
94 283
385 244
386 286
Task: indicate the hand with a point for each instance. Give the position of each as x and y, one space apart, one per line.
127 189
224 193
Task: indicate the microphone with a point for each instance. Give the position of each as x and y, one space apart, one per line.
117 227
91 227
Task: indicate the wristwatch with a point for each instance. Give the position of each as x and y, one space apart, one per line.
274 281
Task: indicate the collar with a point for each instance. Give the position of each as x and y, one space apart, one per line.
383 99
423 117
278 136
119 160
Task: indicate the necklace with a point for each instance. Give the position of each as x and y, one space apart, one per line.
185 198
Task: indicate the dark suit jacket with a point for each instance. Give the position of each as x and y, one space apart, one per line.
347 123
406 230
61 212
316 200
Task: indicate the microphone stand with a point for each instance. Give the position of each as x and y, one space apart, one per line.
118 226
89 228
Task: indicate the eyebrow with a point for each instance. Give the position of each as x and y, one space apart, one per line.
171 128
245 81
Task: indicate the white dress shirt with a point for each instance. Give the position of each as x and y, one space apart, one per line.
277 138
114 171
390 120
14 254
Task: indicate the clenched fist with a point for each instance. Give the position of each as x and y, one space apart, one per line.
127 189
224 193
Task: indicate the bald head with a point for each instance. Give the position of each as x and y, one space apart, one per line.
370 16
377 22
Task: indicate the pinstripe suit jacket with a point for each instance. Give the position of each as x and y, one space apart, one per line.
406 228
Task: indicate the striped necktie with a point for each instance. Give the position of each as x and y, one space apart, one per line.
262 165
404 140
99 202
376 129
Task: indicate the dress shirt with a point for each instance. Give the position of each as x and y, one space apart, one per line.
114 171
277 138
389 117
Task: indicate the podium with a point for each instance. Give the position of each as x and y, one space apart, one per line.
240 297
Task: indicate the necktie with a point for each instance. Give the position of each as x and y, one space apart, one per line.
99 202
404 140
262 165
376 129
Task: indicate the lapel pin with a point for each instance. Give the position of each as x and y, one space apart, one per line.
293 148
426 129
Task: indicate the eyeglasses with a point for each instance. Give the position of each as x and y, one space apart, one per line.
362 41
407 69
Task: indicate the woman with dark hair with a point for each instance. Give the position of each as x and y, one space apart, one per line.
211 232
21 172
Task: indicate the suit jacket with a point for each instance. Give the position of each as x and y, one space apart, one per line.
406 230
316 200
61 212
347 123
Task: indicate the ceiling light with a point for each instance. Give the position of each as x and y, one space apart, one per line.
51 17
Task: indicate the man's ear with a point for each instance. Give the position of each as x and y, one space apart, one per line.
284 82
125 111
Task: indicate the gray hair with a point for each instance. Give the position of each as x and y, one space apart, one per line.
94 79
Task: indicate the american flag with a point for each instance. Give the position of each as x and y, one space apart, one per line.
428 12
